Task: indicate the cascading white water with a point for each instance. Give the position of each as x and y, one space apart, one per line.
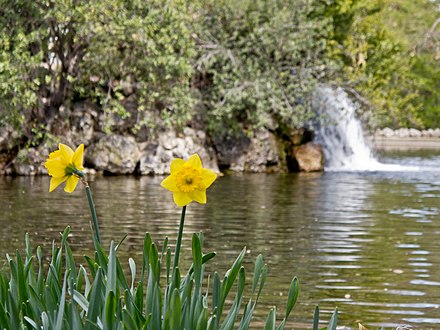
341 134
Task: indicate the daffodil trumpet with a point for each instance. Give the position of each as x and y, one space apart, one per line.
66 165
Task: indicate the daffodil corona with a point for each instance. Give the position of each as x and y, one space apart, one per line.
188 180
63 165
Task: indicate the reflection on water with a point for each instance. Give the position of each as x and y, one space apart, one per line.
365 242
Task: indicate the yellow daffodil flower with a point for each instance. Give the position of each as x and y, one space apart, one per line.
62 164
188 180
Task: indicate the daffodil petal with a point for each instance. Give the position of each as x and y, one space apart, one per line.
208 177
199 196
194 161
176 165
55 182
169 183
55 154
181 198
56 167
78 157
66 152
71 183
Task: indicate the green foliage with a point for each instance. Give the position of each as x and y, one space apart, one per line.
258 61
230 65
379 57
102 296
143 48
416 25
58 52
19 64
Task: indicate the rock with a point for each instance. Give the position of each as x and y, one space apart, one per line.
387 132
402 132
230 149
3 163
297 136
259 154
114 153
310 157
30 161
8 137
157 155
120 122
427 133
414 132
82 123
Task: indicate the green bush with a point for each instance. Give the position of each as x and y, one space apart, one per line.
58 53
227 65
258 61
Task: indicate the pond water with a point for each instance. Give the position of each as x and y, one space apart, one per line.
366 242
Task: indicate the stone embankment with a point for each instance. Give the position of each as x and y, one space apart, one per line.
406 138
122 153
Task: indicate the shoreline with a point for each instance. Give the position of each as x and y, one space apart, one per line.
403 143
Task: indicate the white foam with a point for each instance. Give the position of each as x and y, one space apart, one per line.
341 134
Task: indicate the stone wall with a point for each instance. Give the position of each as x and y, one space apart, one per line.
264 151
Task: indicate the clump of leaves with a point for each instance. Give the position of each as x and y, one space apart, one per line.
101 296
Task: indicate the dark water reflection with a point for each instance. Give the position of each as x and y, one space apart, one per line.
365 242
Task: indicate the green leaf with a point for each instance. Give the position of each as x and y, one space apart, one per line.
293 296
81 301
132 266
139 297
333 321
257 272
231 275
4 318
262 281
202 322
197 257
45 321
146 255
120 242
20 279
128 321
28 320
110 311
316 318
270 321
60 315
96 300
75 320
175 311
229 321
216 296
111 272
92 265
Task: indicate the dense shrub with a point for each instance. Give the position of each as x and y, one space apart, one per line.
258 61
225 64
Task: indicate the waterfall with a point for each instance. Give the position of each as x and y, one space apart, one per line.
341 134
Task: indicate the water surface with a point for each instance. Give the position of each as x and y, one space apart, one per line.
367 242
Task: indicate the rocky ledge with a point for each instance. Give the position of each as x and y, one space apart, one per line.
263 152
406 139
407 132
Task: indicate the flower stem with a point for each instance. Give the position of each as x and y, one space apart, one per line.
81 175
93 211
179 239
